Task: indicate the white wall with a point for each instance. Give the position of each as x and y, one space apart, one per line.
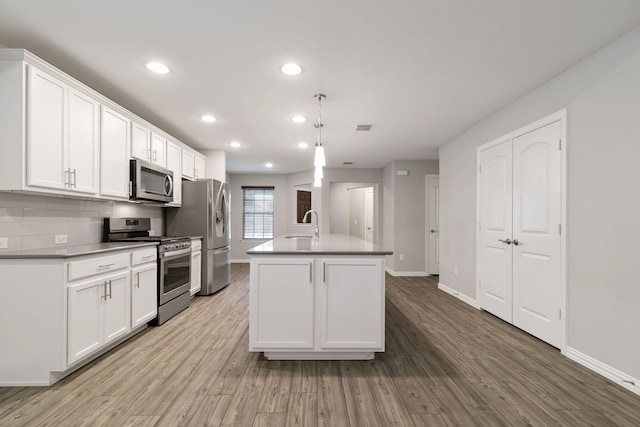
602 98
33 221
339 205
388 228
215 164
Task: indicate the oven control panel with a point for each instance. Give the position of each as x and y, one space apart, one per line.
175 246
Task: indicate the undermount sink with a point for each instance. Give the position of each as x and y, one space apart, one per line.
299 236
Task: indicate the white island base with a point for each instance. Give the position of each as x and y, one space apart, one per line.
317 304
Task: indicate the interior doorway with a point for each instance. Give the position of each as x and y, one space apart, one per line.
360 212
432 237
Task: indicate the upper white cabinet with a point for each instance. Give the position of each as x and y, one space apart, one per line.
114 154
62 135
140 142
193 164
174 164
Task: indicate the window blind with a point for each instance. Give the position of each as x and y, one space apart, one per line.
257 212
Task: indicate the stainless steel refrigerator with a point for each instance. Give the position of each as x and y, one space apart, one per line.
205 212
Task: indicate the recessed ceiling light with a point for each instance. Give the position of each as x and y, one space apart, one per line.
208 118
157 67
303 145
235 144
269 165
298 119
291 69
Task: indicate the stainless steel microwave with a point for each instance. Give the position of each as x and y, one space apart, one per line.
150 182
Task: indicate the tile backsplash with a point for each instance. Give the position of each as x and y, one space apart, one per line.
32 222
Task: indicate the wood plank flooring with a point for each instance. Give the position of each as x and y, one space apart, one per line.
446 364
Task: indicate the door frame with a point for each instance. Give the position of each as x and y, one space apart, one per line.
552 118
427 221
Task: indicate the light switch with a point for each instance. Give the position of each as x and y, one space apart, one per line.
60 238
4 242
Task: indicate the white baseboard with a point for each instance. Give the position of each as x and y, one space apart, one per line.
462 297
605 370
405 273
241 261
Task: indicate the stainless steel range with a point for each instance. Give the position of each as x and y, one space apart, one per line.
174 262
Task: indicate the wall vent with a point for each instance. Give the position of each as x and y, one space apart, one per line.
364 127
347 163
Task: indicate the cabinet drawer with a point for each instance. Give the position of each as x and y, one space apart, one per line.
196 244
90 267
144 256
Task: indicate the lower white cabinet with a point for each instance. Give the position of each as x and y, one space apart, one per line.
196 266
98 313
59 312
317 308
144 294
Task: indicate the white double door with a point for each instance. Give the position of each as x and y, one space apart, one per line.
519 238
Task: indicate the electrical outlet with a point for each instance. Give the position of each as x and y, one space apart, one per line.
152 232
60 238
455 271
401 257
4 242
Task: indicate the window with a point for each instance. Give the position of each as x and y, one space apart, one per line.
257 212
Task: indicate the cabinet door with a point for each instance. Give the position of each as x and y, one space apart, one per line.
46 130
188 164
144 294
114 154
196 272
199 167
281 300
351 304
83 145
140 142
84 330
174 164
158 150
117 307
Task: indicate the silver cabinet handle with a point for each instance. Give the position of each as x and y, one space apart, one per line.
508 241
106 265
516 242
138 280
67 173
324 272
105 290
148 257
311 272
110 295
75 179
155 156
149 154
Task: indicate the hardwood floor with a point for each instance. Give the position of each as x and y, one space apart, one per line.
446 364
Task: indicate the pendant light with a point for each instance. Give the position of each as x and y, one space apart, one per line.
319 159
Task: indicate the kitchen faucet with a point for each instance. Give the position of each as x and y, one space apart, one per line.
316 227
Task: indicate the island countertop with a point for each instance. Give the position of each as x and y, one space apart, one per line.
326 244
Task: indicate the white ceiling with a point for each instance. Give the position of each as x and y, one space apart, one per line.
422 71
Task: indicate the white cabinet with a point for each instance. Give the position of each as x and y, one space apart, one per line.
174 164
98 313
351 305
62 135
196 266
114 154
140 142
315 308
193 164
144 293
158 150
199 167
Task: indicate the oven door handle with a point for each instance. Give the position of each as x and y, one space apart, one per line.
174 254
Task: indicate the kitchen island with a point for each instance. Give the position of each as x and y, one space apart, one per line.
317 298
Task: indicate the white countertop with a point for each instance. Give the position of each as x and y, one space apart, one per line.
326 244
73 251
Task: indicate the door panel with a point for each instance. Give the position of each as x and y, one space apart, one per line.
117 311
84 113
537 295
84 319
495 208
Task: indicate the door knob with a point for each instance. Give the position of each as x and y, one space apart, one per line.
433 231
508 241
516 242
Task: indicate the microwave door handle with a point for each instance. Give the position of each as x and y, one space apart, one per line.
168 185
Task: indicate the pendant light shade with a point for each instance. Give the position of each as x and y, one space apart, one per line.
319 159
317 182
318 173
